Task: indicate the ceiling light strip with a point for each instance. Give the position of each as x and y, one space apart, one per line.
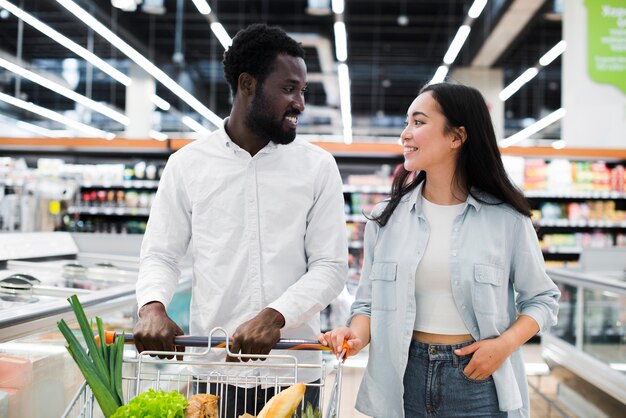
517 84
57 117
343 73
142 61
532 129
64 91
159 136
344 97
195 125
66 42
457 43
217 28
530 73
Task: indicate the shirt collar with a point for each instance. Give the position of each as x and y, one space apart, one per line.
415 197
231 145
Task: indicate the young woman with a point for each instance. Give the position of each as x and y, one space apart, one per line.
453 281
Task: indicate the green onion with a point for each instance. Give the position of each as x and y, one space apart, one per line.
102 366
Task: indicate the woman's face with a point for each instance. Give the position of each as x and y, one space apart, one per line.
427 145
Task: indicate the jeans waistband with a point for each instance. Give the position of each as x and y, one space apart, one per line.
437 352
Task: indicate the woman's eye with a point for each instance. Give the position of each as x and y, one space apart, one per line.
418 122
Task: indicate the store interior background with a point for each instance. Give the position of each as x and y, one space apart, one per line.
91 168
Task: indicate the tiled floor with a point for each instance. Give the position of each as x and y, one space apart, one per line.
543 387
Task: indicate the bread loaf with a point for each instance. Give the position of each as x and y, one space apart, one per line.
202 405
284 404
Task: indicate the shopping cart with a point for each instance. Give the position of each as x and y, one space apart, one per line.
142 372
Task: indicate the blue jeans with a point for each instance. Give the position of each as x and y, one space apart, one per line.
435 385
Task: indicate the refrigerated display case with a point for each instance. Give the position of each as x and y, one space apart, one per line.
38 272
590 338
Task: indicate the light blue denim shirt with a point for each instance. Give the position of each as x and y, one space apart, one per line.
496 272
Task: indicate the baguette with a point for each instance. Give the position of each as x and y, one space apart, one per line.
284 404
202 405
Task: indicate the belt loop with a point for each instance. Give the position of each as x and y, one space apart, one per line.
455 358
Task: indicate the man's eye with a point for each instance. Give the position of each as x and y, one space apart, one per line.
288 89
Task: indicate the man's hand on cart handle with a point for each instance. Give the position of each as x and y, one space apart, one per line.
155 331
258 335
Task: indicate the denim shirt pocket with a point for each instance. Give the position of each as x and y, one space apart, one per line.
488 280
383 278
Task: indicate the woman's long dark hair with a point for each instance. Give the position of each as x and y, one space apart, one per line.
479 163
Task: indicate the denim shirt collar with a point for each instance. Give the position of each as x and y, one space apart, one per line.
414 197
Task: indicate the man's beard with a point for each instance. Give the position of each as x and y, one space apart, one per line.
262 124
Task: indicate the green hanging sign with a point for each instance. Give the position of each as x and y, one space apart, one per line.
606 42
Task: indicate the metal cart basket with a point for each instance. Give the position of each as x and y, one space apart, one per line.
142 372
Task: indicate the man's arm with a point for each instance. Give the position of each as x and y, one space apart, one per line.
326 247
165 242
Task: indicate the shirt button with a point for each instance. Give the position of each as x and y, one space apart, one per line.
463 307
456 282
453 254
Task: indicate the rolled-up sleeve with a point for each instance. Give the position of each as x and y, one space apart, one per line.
537 295
326 248
166 238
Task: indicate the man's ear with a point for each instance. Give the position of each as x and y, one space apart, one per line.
246 84
460 135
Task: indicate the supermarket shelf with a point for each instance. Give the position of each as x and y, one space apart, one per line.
356 148
574 195
122 211
126 184
566 223
364 188
564 250
356 218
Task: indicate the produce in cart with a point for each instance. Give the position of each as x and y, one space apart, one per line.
202 405
102 365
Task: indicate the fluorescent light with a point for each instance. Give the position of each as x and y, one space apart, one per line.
203 6
344 98
196 126
477 8
142 61
517 84
66 42
532 129
37 129
221 34
47 113
457 44
338 6
552 54
159 136
440 75
341 42
560 144
160 103
64 91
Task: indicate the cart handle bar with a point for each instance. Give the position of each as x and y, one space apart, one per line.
220 342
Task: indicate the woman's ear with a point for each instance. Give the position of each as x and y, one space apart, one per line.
246 84
460 135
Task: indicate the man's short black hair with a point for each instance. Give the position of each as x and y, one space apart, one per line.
254 50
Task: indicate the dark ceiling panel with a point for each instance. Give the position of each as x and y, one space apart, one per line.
389 60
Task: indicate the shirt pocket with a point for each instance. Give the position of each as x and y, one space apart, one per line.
488 280
383 278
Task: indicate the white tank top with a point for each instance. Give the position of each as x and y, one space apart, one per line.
436 311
